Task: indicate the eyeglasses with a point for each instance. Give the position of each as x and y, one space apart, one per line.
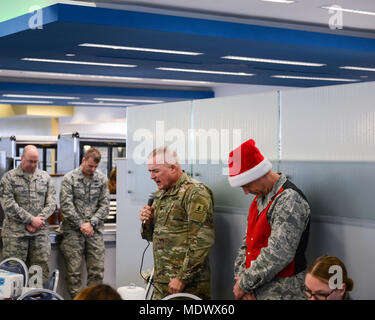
317 296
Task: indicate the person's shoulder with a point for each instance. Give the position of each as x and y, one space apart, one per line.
100 176
69 175
194 187
10 174
43 174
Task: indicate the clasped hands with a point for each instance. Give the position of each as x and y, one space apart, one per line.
87 229
239 294
35 224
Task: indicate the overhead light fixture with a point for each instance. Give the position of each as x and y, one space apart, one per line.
128 100
89 63
186 81
38 97
25 101
296 63
101 104
313 78
280 1
338 8
105 46
358 68
207 71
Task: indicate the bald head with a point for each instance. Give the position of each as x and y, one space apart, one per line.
29 159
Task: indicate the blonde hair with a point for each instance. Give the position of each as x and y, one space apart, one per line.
320 269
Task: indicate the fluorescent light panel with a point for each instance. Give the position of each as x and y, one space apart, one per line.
313 78
338 8
38 97
89 63
296 63
105 46
24 101
101 104
206 71
358 68
280 1
128 100
185 81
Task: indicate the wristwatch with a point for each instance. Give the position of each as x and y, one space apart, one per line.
93 223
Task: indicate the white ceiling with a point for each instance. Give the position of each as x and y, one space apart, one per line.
306 12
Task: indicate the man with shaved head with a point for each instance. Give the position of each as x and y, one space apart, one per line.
28 198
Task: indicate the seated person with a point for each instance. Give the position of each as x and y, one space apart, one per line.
327 279
98 292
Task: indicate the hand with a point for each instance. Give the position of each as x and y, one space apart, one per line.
30 228
87 229
237 291
147 214
176 286
37 222
249 296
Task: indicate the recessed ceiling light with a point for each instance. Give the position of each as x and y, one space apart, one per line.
70 55
338 8
101 104
105 46
296 63
25 101
358 68
38 97
128 100
313 78
280 1
207 71
81 62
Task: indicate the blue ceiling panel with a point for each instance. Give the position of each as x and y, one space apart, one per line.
67 26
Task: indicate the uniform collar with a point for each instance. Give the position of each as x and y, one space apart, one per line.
82 176
264 201
21 173
174 189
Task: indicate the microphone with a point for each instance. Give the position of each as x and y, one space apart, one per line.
150 201
151 198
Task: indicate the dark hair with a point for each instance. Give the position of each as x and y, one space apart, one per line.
94 154
98 292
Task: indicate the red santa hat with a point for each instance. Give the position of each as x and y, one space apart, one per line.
247 164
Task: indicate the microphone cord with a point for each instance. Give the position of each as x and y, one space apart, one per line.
151 281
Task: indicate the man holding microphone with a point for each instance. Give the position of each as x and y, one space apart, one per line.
180 224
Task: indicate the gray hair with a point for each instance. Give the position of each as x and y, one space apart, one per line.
163 155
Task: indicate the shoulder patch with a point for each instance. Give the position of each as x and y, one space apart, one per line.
199 207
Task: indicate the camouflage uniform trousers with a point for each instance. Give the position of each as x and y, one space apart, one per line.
200 289
75 246
33 250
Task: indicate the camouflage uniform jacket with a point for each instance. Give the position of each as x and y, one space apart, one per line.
83 199
288 217
22 199
182 232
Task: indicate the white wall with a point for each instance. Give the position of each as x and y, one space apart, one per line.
95 120
25 126
231 90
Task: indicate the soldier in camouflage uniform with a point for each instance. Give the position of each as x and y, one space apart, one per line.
28 198
84 201
180 224
271 261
